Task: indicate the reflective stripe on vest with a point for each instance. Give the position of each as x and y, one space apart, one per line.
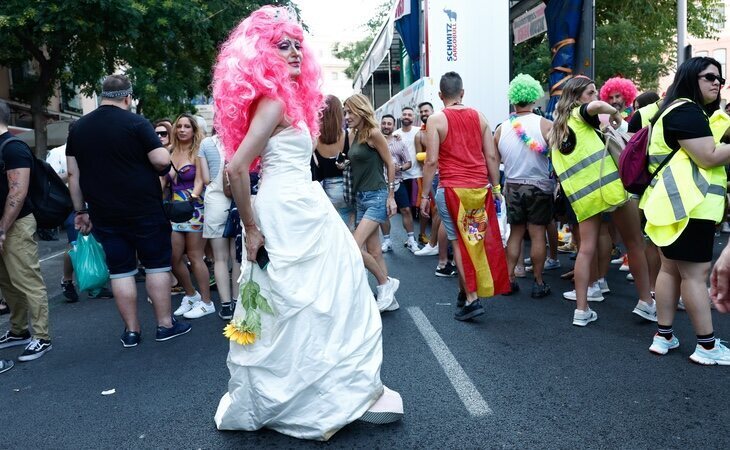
580 193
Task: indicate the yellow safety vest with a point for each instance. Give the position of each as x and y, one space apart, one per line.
682 190
648 112
588 175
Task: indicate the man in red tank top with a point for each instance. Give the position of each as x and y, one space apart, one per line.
460 144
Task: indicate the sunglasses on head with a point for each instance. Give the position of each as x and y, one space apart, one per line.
711 77
161 133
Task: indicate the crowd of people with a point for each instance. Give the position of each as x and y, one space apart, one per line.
294 184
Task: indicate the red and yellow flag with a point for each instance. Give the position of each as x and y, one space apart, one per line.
475 218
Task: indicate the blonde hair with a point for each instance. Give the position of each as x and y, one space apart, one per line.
197 136
569 99
360 106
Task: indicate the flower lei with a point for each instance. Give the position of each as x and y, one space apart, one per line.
531 143
245 330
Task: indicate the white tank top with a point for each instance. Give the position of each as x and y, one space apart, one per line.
520 163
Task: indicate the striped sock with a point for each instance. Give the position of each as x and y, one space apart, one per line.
707 341
665 331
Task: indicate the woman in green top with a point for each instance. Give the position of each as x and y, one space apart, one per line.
374 199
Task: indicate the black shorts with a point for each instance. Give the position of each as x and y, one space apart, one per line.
695 244
402 199
528 204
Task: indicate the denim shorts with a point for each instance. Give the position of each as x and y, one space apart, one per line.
146 238
335 189
371 205
445 216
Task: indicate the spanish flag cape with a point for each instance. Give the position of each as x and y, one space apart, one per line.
475 218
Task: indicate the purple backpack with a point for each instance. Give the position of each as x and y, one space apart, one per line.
633 163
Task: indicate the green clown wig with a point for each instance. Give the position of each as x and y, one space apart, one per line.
524 89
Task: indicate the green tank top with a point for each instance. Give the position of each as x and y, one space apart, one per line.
367 168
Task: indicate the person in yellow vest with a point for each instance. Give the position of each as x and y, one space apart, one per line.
589 178
685 201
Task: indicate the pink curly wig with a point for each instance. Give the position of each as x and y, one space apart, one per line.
250 67
623 86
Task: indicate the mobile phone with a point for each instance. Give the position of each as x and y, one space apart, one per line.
262 258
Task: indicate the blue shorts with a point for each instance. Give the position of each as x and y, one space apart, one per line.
146 238
71 232
402 199
371 205
334 188
446 221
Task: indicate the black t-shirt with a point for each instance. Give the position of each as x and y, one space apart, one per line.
16 155
116 176
635 122
686 121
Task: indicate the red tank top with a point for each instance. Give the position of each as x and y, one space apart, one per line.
461 157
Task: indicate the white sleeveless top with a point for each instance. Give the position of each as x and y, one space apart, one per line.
522 165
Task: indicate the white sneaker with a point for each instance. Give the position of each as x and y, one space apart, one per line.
387 246
200 309
629 277
187 303
594 294
386 295
603 284
680 305
718 355
645 310
661 346
412 246
427 250
624 267
583 318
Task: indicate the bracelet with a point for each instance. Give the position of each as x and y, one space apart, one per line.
82 211
497 189
249 225
425 197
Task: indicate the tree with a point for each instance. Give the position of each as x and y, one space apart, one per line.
355 52
634 39
167 47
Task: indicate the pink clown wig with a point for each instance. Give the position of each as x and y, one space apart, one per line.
249 67
623 86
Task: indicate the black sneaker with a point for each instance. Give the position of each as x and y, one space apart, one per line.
226 312
470 311
513 288
69 291
35 349
130 338
449 270
10 339
177 329
540 290
101 293
461 299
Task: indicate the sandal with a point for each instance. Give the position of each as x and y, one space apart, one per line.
4 308
567 275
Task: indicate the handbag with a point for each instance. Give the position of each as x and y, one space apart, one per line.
347 191
233 223
178 211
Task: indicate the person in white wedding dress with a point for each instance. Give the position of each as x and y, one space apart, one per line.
315 365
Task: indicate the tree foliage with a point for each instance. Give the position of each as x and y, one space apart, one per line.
167 47
355 52
634 39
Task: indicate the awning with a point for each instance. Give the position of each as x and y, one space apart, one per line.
376 54
57 133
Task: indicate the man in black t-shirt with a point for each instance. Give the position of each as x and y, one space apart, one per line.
20 270
114 162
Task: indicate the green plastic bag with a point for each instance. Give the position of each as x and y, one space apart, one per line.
89 262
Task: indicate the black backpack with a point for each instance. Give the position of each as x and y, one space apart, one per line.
48 194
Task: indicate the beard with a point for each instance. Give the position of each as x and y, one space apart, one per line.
424 119
406 122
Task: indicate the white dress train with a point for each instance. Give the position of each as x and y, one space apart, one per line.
316 366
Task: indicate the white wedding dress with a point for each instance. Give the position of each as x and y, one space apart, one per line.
316 366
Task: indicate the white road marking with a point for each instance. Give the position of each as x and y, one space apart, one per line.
468 393
52 256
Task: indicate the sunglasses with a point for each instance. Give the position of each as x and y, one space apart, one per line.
711 77
161 133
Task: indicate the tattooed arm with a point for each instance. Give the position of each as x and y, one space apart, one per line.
18 182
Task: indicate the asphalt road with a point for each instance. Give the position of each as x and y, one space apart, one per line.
520 376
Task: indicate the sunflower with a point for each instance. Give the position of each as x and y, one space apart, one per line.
239 333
